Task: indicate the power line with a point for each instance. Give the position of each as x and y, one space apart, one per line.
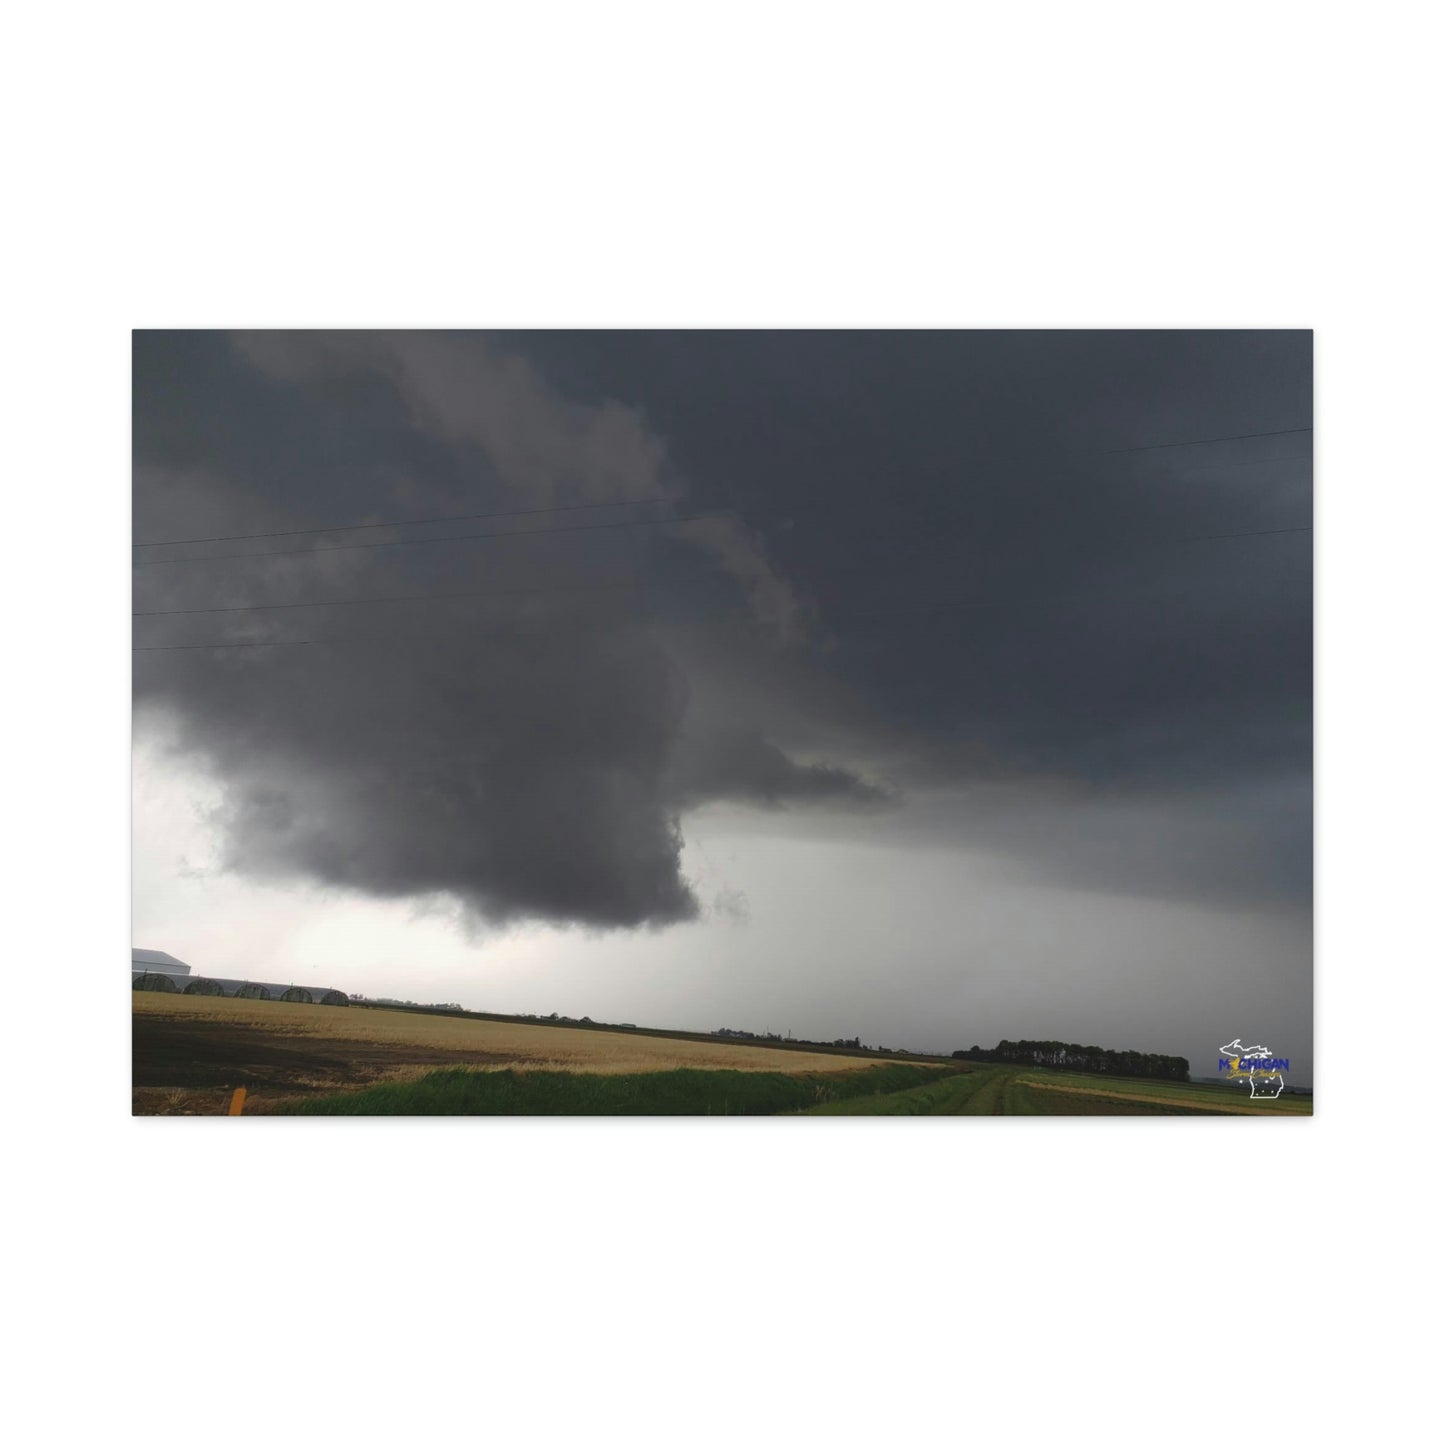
557 589
285 642
947 605
408 597
420 541
714 514
587 506
408 522
1221 536
1210 441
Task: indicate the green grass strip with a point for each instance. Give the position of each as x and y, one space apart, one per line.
665 1092
951 1094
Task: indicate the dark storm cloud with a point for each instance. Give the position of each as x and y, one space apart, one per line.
527 754
743 767
1001 594
932 573
520 778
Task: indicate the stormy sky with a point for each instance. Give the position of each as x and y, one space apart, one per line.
935 687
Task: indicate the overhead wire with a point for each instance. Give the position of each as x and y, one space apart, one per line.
945 605
1209 441
421 541
408 522
560 589
564 508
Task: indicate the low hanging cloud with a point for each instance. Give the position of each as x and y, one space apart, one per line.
741 767
799 573
528 752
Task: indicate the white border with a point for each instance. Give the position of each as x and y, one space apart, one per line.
1047 165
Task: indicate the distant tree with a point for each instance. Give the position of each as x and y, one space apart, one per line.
1090 1058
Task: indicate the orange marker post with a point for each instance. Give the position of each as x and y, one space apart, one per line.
238 1100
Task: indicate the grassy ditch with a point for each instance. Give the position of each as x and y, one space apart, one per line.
662 1092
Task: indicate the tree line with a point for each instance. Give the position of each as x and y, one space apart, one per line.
1081 1058
854 1043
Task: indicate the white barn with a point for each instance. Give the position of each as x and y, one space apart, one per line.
155 972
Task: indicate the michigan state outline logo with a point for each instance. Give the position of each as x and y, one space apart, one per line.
1256 1065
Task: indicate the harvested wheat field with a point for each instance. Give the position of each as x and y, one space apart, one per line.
189 1053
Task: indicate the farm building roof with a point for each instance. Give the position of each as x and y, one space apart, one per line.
156 961
236 987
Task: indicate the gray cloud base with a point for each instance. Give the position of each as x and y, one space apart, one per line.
934 579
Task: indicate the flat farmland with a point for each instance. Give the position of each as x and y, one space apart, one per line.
1004 1089
189 1052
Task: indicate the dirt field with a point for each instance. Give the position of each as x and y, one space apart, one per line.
189 1053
